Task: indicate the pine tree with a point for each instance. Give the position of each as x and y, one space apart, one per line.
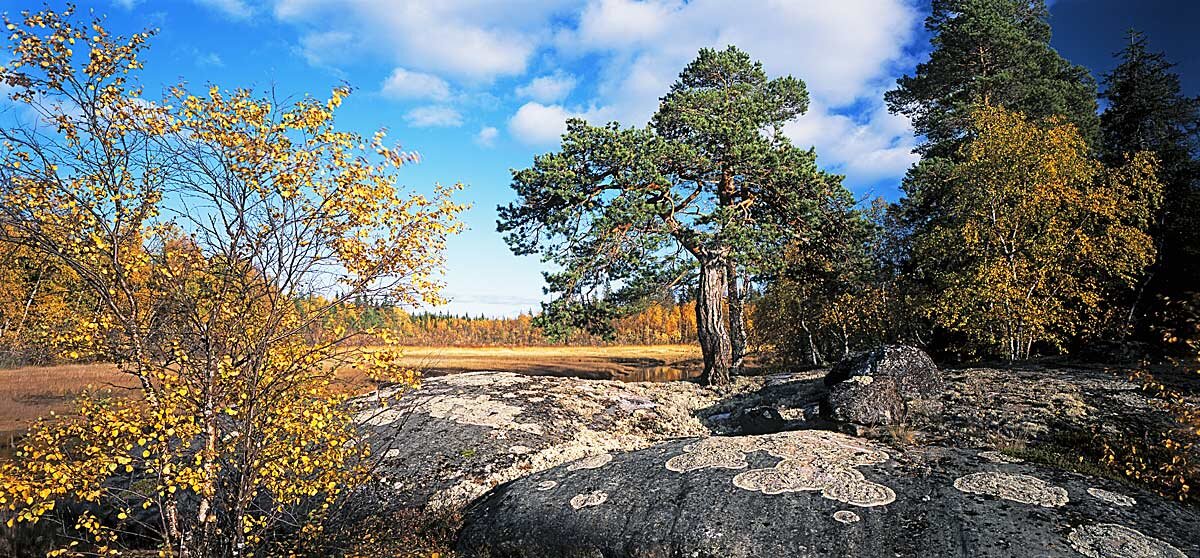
1148 112
718 109
993 52
627 213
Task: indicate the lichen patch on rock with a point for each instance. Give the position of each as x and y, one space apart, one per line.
480 410
479 379
712 453
845 516
596 498
591 462
1109 540
1111 497
997 457
547 485
431 437
1015 487
809 461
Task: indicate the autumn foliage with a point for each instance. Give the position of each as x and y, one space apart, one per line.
188 230
1037 234
655 324
1168 460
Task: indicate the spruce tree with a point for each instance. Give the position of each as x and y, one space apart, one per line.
994 52
1147 111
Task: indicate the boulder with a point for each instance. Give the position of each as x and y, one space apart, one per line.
818 493
760 420
877 387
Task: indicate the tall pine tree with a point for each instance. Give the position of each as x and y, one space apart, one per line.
1147 111
994 52
711 183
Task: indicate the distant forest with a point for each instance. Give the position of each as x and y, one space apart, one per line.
657 323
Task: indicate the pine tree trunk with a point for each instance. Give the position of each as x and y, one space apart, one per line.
737 323
711 323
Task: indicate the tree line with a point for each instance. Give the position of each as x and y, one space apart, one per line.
40 306
1033 223
655 323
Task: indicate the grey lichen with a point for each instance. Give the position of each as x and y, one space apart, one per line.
1111 497
1109 540
997 457
590 499
591 462
478 379
810 461
713 453
1015 487
845 516
480 410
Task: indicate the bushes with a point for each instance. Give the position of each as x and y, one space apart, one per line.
1170 460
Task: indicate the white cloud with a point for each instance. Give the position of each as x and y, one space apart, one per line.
842 50
127 4
621 23
464 38
433 116
325 48
538 124
548 89
535 123
877 147
487 136
234 9
845 51
405 84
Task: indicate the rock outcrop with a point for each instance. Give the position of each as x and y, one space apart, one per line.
1044 404
457 436
878 387
818 493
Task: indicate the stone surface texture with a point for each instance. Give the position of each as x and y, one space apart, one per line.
684 499
446 443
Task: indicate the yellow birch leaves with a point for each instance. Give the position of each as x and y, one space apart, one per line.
1039 233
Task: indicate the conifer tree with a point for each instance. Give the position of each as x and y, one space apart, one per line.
1148 112
625 213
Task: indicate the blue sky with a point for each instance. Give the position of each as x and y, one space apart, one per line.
478 87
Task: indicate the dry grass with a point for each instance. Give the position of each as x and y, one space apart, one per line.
623 362
30 392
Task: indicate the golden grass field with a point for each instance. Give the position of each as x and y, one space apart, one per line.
30 392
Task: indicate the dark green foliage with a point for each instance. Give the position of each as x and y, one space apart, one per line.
836 298
984 51
1148 112
990 51
628 213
